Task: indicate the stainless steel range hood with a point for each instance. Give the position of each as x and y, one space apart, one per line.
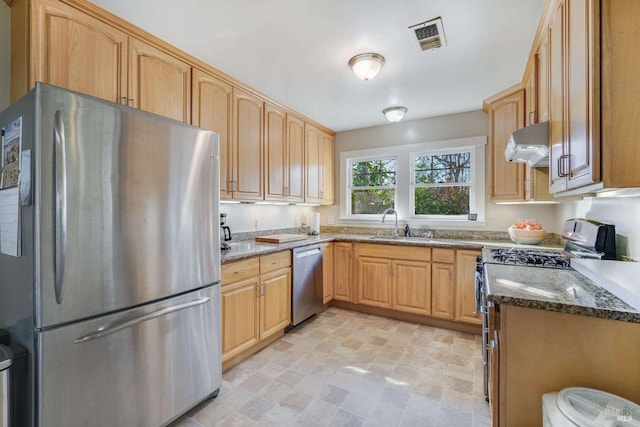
529 145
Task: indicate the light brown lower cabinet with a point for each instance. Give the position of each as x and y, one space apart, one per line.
256 301
374 281
412 287
327 272
443 283
466 287
342 274
538 351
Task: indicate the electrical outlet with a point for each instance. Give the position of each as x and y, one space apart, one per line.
297 221
257 224
331 220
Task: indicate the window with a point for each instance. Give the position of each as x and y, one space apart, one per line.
434 183
441 183
372 186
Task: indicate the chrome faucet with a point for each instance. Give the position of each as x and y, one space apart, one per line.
393 211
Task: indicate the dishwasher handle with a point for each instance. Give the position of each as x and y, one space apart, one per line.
308 252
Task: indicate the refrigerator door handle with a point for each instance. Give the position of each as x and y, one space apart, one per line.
103 331
60 213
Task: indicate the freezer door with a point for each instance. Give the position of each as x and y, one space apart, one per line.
143 367
127 207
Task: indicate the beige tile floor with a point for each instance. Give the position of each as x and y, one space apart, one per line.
351 369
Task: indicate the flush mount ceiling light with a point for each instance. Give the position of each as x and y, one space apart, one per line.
394 114
366 65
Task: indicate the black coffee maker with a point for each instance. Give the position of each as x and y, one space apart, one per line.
225 233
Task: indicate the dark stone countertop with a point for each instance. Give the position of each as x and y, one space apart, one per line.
565 291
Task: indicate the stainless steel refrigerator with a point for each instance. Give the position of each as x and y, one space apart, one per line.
116 292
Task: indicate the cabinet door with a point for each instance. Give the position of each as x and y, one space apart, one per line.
466 287
558 164
374 281
75 51
582 140
342 264
240 329
442 289
158 82
326 153
327 272
294 177
313 159
412 287
247 146
506 115
211 109
275 154
275 302
542 80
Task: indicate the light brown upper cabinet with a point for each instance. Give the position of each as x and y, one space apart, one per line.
275 152
506 115
211 102
510 181
326 155
319 166
294 171
575 145
247 146
313 173
77 45
585 51
158 82
68 49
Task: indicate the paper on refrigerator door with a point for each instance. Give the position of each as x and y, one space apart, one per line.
9 193
10 222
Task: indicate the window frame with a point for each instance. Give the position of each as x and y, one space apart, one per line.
349 163
470 184
403 197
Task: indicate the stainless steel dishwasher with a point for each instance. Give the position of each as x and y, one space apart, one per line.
307 283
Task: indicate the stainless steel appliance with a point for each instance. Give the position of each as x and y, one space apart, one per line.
116 293
307 282
583 239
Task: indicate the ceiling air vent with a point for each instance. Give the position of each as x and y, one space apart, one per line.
430 34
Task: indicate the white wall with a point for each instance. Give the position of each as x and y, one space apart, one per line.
242 217
5 54
624 213
473 123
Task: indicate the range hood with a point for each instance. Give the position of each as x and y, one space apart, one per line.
529 145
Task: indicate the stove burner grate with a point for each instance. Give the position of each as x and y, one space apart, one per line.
530 258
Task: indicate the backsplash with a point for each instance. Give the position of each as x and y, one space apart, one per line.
552 239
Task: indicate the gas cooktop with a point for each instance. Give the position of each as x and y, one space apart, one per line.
527 257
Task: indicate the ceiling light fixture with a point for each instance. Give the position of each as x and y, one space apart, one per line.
366 65
394 114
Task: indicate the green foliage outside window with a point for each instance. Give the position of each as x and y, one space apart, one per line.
432 173
372 186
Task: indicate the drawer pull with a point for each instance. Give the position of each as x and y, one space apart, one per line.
276 262
240 272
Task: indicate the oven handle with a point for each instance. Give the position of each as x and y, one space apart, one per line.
479 286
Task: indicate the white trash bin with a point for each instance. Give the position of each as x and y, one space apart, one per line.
586 407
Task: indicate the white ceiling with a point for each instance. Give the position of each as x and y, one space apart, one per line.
296 51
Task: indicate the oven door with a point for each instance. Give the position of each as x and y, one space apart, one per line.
483 306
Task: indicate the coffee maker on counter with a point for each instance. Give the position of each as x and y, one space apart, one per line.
225 233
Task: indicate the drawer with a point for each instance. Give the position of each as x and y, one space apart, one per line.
444 255
275 261
413 253
239 270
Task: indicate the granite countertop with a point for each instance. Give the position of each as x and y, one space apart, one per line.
249 248
551 289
